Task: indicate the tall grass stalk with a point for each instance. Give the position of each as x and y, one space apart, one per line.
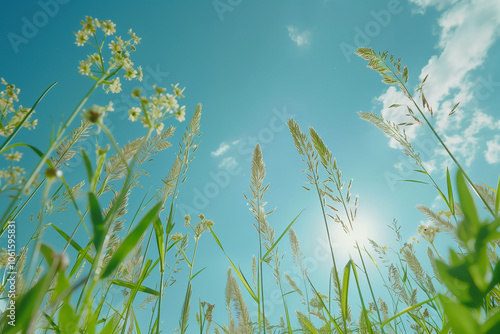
393 75
8 214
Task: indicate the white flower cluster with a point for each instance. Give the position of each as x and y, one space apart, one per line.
12 175
10 116
94 66
158 107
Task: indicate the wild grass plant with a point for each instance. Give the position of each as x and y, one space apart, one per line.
74 290
49 296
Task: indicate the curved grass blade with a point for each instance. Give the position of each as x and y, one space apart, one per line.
364 310
307 323
466 200
460 317
132 286
345 290
337 327
240 276
131 240
97 222
88 166
406 310
199 271
420 323
497 199
281 236
451 202
33 148
16 130
160 243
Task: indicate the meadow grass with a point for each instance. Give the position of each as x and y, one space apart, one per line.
130 249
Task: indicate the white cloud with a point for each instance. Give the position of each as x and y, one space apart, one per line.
423 4
468 29
397 115
492 153
221 150
228 163
301 39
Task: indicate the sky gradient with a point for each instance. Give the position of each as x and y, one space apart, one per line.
255 64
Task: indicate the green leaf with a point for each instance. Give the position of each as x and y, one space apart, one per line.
406 310
68 321
34 149
467 202
459 281
132 286
52 323
492 324
281 236
240 276
337 327
459 316
47 253
97 222
199 271
79 259
415 181
88 166
131 240
62 285
28 305
160 243
451 202
307 323
109 327
16 130
345 289
497 199
73 243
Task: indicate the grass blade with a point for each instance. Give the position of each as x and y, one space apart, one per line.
132 286
97 222
240 276
16 130
160 243
88 166
131 241
281 236
497 199
337 327
406 310
345 290
73 243
466 200
451 202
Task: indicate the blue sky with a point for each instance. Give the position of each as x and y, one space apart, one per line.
254 64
